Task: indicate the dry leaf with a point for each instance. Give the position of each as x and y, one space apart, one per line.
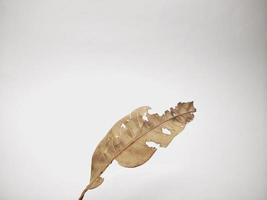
126 142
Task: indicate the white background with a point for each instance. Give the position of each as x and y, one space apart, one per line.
70 69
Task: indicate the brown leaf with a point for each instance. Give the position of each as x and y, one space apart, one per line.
126 142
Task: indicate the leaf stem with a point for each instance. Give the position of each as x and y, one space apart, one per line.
83 192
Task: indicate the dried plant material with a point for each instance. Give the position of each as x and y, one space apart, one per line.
128 140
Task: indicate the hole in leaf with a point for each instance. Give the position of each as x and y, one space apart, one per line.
123 126
152 144
166 131
145 117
